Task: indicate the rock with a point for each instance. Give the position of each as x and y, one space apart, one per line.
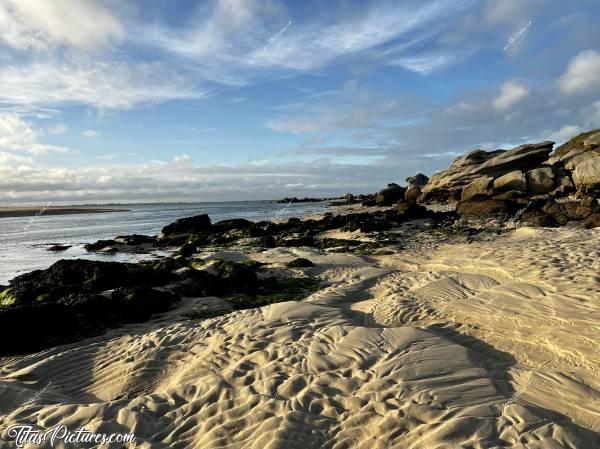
100 245
300 262
512 195
82 276
523 157
586 175
419 180
540 180
514 180
587 207
562 213
486 208
592 141
538 219
140 303
478 188
135 239
228 225
563 184
593 221
413 211
196 224
59 248
390 195
415 184
267 241
187 249
448 184
412 194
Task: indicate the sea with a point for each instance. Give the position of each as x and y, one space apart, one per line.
24 241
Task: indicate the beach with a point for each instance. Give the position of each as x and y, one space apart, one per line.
483 344
460 311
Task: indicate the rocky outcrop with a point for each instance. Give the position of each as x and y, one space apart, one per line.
415 184
540 180
586 175
449 184
513 181
481 187
198 223
390 195
486 208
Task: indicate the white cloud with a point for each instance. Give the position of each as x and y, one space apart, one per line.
182 159
60 128
18 135
103 84
583 73
563 134
90 133
33 24
511 93
426 63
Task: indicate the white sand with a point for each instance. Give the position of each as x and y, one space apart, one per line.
477 346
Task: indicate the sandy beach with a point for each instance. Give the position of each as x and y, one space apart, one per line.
481 345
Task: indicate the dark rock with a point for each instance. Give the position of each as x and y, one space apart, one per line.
390 195
562 213
100 245
592 221
196 224
511 195
228 225
419 180
81 276
300 262
538 219
412 211
135 239
486 208
268 241
187 249
139 303
59 248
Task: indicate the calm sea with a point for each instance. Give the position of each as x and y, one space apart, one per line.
24 241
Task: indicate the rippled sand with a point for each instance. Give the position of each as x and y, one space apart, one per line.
474 346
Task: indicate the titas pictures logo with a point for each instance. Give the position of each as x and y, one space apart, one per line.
28 435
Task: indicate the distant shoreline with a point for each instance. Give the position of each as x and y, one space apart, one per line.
6 212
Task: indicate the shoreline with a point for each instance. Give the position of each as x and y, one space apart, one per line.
11 212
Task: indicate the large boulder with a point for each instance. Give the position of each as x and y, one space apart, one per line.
448 184
523 157
415 184
586 175
390 195
515 180
540 180
196 224
478 188
419 180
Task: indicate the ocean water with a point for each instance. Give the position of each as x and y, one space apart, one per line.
24 241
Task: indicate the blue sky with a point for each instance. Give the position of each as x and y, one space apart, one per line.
241 99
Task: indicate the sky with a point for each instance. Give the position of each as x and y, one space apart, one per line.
158 100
